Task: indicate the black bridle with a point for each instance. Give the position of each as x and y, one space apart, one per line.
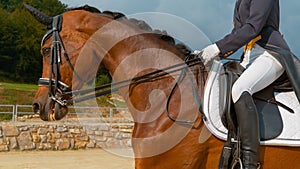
56 87
58 90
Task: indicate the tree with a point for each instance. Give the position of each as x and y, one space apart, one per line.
20 36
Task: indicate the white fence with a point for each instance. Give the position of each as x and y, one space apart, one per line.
20 113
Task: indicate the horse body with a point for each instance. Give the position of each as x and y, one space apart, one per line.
127 52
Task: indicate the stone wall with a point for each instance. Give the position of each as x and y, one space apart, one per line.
56 136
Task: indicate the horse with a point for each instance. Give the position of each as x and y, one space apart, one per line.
92 39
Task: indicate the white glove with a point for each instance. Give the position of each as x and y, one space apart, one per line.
208 53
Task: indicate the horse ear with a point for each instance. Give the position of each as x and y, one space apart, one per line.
39 16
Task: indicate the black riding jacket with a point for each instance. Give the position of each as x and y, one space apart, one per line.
261 17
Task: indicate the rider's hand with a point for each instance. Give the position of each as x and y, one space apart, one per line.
208 53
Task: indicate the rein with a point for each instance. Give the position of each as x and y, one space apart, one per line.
59 90
136 80
145 78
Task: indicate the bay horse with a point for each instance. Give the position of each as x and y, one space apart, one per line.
91 39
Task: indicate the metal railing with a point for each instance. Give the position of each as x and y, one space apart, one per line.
21 111
7 109
18 112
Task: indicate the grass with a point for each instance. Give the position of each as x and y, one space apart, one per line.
13 94
19 86
16 93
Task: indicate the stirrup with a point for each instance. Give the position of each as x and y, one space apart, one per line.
239 161
236 162
258 165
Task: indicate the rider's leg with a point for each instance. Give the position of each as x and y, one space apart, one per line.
261 73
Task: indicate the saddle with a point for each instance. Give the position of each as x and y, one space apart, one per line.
270 119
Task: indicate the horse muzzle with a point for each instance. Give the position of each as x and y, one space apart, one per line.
51 111
56 111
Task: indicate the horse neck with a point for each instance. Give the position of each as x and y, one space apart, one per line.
127 52
137 55
113 41
119 41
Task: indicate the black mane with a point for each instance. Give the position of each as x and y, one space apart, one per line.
86 8
139 23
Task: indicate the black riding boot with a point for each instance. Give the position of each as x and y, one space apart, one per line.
248 123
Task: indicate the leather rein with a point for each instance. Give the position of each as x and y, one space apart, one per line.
59 90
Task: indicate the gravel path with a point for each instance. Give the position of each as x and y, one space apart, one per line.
79 159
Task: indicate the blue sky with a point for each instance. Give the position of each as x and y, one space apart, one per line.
212 17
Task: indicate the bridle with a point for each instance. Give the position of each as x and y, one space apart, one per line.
55 87
58 90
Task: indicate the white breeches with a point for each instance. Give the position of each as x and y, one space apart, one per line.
262 69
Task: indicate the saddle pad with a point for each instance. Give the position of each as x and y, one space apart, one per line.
213 106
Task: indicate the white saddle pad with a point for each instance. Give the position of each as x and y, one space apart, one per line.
290 135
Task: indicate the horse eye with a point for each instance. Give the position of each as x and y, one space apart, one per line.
45 51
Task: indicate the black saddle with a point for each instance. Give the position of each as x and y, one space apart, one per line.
270 120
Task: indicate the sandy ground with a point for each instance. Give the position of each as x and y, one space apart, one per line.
79 159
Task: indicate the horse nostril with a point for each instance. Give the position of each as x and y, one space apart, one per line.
36 108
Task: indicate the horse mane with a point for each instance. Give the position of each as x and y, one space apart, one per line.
140 24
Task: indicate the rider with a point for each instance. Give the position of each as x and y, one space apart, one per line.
254 21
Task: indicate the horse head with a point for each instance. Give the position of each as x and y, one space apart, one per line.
60 47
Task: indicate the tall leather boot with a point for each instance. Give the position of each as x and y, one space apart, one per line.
248 123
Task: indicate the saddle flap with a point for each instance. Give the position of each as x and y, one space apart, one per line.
270 120
218 104
271 125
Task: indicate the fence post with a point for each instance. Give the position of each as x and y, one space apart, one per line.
111 114
13 113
